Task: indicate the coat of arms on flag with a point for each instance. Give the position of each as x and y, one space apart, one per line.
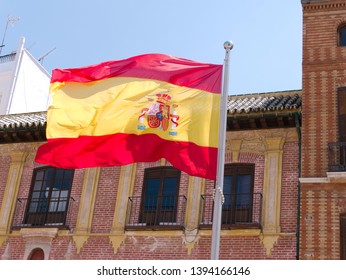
160 113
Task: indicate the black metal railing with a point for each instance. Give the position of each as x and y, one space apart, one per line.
155 212
337 156
240 210
55 213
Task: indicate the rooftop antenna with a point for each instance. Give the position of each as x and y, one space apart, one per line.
44 56
12 21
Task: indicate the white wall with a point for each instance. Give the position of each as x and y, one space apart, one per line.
24 84
31 91
6 79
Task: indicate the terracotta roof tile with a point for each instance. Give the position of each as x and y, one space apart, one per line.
276 101
23 120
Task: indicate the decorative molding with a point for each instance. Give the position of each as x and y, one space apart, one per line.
163 162
268 242
233 232
117 240
332 177
195 188
272 184
6 255
79 241
312 180
11 190
86 207
190 240
3 239
38 238
336 177
125 189
322 4
20 147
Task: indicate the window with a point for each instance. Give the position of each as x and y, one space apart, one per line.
238 193
49 196
342 35
242 207
342 114
160 196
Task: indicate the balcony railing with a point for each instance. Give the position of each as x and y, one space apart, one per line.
337 156
56 213
238 211
155 212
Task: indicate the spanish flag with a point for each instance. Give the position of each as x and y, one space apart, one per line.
139 109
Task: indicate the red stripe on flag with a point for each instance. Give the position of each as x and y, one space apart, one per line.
177 71
122 149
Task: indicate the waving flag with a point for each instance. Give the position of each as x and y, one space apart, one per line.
139 109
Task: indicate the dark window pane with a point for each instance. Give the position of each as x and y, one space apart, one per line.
67 181
151 193
227 190
243 190
169 193
169 186
48 174
39 175
342 34
59 175
38 185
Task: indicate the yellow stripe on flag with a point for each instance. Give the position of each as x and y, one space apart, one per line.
128 105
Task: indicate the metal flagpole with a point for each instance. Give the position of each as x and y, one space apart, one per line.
218 199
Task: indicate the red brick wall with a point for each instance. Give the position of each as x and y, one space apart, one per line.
323 72
289 187
105 200
155 245
321 207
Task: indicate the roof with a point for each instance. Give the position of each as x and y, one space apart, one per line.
27 127
25 120
248 111
282 101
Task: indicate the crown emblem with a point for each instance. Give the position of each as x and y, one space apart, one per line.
163 98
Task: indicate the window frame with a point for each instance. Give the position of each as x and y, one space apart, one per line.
159 216
341 31
46 205
235 213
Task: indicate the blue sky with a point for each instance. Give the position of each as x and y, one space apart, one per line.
267 35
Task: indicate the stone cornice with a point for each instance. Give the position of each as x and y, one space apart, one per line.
317 5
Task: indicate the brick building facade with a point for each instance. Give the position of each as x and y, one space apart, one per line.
323 177
291 159
105 213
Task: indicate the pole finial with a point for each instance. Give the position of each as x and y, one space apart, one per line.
228 45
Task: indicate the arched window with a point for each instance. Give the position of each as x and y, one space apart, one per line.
342 35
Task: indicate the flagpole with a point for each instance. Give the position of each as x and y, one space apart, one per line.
218 199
